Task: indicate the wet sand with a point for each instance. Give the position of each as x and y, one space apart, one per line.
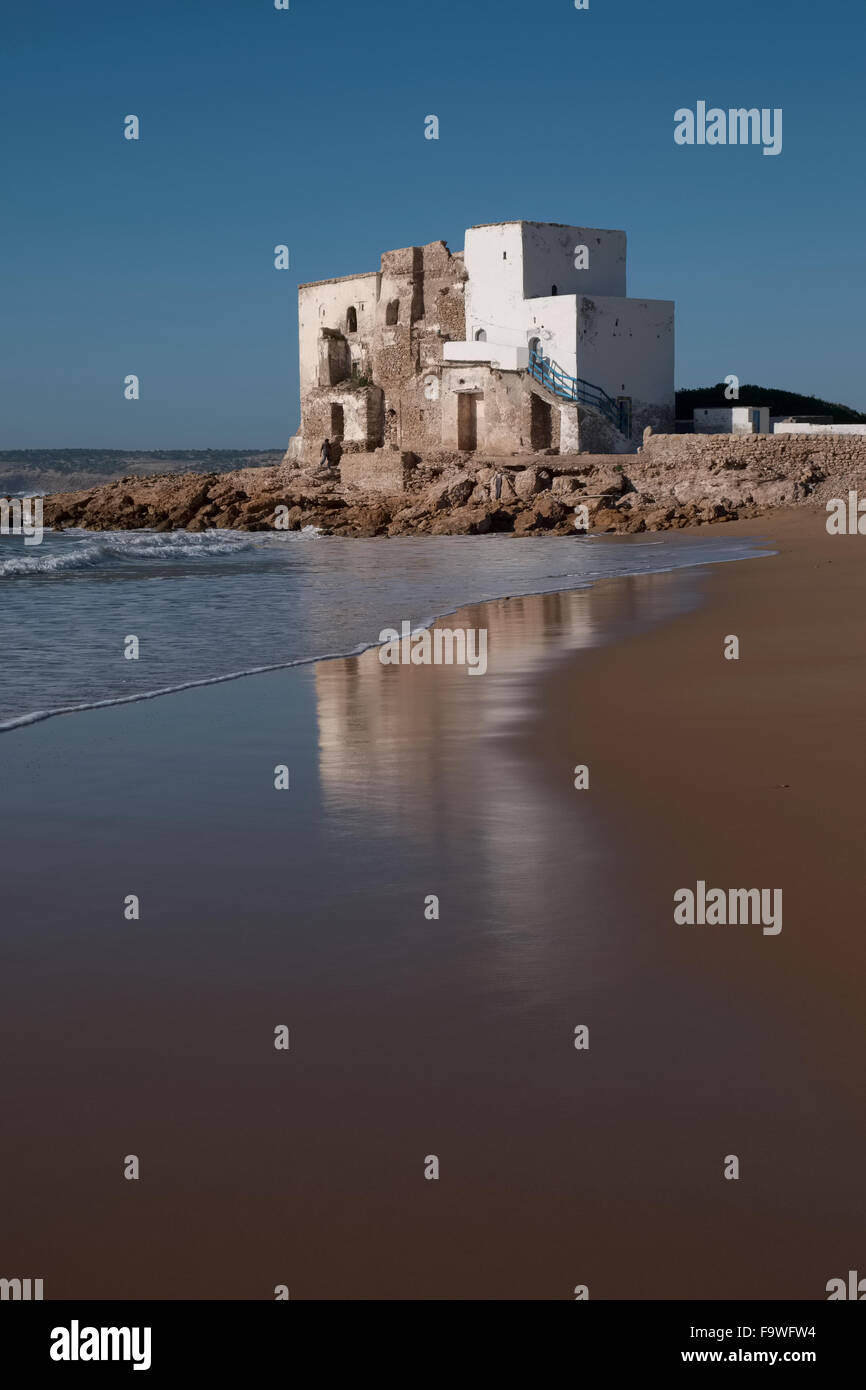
741 773
453 1037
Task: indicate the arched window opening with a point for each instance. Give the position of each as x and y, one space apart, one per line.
352 319
481 336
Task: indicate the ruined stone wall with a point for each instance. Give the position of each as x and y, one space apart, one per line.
362 409
386 471
327 304
769 470
391 359
335 362
422 288
507 416
386 329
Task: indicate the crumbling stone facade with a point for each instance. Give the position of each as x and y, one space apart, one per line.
377 346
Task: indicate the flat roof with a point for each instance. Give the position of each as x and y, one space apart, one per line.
338 279
527 222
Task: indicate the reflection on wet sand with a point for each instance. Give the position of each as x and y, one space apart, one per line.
370 716
426 752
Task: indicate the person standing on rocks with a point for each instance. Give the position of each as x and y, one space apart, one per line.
325 460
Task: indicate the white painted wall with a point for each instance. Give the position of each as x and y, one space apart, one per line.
731 419
325 305
513 266
494 292
626 346
549 259
510 359
790 427
554 321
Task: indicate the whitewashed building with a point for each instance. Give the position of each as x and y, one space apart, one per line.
525 341
732 419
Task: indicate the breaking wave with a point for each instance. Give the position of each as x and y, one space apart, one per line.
90 552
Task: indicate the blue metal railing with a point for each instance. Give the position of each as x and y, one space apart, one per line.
572 388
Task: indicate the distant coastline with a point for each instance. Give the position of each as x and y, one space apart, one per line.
673 481
61 470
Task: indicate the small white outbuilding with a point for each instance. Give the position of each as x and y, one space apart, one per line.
732 419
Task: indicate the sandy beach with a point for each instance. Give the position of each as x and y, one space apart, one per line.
454 1036
746 772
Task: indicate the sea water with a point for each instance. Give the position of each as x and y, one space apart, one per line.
218 605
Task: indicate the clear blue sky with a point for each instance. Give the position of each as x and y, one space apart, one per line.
306 127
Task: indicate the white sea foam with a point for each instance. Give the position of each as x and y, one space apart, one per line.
38 715
90 552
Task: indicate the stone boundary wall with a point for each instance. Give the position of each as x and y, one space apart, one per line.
770 470
742 450
386 471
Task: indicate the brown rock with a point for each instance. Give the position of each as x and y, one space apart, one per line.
529 481
453 492
463 521
606 519
548 510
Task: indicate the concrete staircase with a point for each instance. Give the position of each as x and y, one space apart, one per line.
551 376
583 429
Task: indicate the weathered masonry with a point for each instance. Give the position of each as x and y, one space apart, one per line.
523 342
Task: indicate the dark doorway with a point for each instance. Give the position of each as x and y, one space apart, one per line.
540 423
352 320
337 421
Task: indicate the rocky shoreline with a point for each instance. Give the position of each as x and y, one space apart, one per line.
531 501
671 483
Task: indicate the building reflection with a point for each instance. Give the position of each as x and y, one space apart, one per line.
436 756
395 738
